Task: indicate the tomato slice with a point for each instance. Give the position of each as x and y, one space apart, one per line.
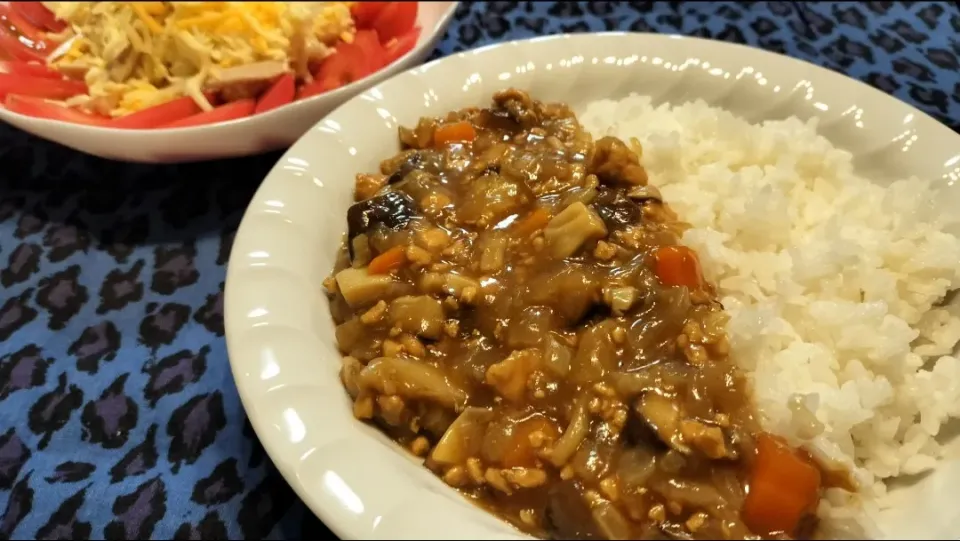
40 87
367 47
224 113
39 15
395 20
343 67
280 93
33 69
22 29
158 115
40 108
401 46
15 48
351 62
364 13
312 88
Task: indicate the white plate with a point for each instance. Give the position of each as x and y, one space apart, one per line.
279 330
260 133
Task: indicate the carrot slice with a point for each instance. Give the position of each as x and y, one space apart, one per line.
784 486
457 132
224 113
280 93
678 266
534 222
388 261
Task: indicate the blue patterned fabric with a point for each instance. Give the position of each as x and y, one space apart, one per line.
119 417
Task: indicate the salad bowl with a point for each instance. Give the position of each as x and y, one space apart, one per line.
262 132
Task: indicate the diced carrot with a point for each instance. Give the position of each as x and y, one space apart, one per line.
388 261
678 266
784 487
534 222
456 132
521 452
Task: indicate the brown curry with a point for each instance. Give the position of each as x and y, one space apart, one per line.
514 307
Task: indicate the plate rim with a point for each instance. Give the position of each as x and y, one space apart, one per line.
332 519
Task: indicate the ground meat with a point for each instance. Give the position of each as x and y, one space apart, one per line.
519 313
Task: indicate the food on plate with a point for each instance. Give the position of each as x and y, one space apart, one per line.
834 285
517 304
123 64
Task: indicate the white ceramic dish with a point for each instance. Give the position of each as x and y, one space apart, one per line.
260 133
279 331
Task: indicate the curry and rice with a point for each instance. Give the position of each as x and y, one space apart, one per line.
519 305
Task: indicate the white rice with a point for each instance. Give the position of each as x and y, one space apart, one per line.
831 281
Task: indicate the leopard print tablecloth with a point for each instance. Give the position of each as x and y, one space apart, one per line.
119 417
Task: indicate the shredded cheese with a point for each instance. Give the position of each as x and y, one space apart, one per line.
140 54
146 18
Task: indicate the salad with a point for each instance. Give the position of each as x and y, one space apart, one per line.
143 65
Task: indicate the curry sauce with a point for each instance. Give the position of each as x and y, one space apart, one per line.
514 306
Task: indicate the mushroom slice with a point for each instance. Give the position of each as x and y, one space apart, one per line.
391 209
